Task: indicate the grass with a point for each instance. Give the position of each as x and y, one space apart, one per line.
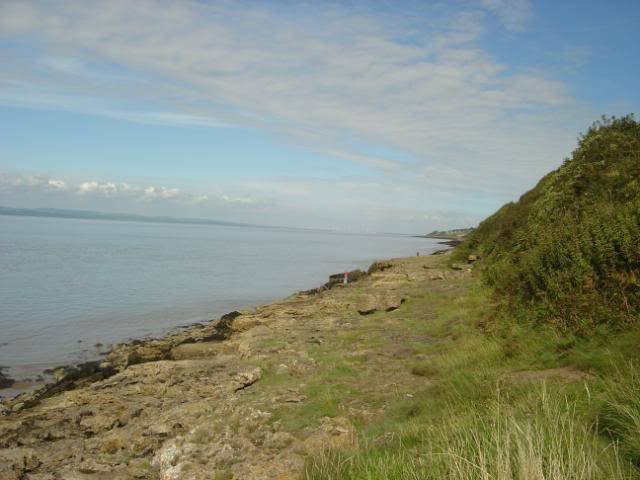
550 441
478 416
620 411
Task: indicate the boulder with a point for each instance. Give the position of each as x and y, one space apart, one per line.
5 381
379 267
368 304
246 379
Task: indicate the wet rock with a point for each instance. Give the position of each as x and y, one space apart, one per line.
379 267
223 329
5 381
230 316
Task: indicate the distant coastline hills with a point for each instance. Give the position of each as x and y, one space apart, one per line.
125 217
454 234
131 217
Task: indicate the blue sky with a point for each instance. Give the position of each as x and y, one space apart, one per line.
368 116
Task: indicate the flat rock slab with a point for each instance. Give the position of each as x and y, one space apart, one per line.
368 304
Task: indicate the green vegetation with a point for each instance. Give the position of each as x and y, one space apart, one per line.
530 368
516 403
567 253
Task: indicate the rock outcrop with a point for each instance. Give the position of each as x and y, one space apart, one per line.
236 398
5 381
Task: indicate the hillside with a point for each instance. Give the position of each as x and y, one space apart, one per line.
567 252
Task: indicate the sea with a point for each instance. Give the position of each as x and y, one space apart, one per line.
70 288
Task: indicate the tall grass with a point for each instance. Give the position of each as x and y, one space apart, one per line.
546 441
620 411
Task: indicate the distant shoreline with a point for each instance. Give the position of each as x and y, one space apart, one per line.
93 215
126 217
62 377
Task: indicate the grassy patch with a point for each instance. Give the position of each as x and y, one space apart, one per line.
487 410
548 440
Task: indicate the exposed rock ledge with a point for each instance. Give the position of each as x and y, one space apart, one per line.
216 400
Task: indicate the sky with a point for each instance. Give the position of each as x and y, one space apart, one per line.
370 116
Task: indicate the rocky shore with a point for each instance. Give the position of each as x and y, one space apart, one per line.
5 381
240 397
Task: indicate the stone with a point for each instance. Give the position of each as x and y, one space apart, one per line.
393 303
246 379
91 466
367 304
5 381
379 267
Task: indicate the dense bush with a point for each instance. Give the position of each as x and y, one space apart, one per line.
568 251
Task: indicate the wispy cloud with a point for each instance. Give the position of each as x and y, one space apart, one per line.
41 181
514 14
311 73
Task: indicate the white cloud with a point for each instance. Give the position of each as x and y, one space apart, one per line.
107 188
240 200
57 184
313 74
160 192
43 182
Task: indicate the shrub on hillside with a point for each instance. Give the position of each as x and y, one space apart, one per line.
568 251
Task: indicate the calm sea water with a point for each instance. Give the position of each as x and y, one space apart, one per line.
66 285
